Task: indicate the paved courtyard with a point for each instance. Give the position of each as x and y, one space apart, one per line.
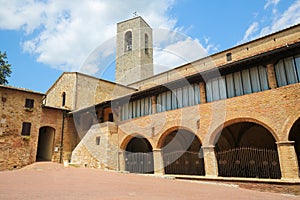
53 181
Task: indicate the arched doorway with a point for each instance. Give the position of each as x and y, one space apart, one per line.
139 156
295 136
45 144
247 149
181 153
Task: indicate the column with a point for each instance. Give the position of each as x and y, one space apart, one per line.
158 162
202 92
288 160
121 160
271 76
153 101
210 161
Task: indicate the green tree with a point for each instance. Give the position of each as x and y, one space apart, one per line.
5 69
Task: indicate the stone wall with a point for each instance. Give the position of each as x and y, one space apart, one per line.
16 150
82 91
65 83
135 64
103 154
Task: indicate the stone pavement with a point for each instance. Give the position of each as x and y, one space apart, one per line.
53 181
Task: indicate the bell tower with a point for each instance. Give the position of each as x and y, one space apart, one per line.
134 61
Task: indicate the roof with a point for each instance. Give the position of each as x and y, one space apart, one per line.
21 89
89 76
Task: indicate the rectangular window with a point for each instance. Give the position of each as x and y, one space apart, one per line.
222 87
290 70
246 81
238 86
185 97
263 77
255 79
280 74
179 97
230 85
138 108
191 95
297 63
197 93
169 100
209 97
98 140
29 103
228 57
26 126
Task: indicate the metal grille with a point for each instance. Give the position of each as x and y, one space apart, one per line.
249 162
183 162
139 162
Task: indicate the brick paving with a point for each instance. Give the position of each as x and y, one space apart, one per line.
53 181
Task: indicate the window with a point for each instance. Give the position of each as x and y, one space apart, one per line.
288 71
146 44
63 96
29 103
128 41
238 83
178 98
26 126
228 57
98 140
137 108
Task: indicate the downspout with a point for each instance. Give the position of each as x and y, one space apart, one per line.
62 137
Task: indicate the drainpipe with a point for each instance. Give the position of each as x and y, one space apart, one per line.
62 137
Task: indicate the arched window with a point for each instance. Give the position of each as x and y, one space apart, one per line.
128 41
63 96
146 43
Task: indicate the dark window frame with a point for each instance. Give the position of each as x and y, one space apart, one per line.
98 140
228 57
26 129
63 96
29 103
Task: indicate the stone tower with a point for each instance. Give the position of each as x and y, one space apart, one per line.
134 60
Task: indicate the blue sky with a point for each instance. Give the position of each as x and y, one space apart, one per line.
44 38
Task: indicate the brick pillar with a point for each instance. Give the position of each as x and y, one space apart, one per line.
271 76
121 160
158 162
202 92
210 161
288 160
153 101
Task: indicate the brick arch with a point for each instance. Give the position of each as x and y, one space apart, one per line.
127 139
163 136
291 121
211 138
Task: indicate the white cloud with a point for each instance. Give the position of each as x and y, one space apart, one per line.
271 2
62 34
250 31
279 21
177 53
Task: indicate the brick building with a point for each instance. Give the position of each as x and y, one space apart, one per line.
235 113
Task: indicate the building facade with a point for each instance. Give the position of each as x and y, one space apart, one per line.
235 113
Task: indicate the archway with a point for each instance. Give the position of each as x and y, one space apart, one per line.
139 156
45 144
181 153
295 136
247 149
